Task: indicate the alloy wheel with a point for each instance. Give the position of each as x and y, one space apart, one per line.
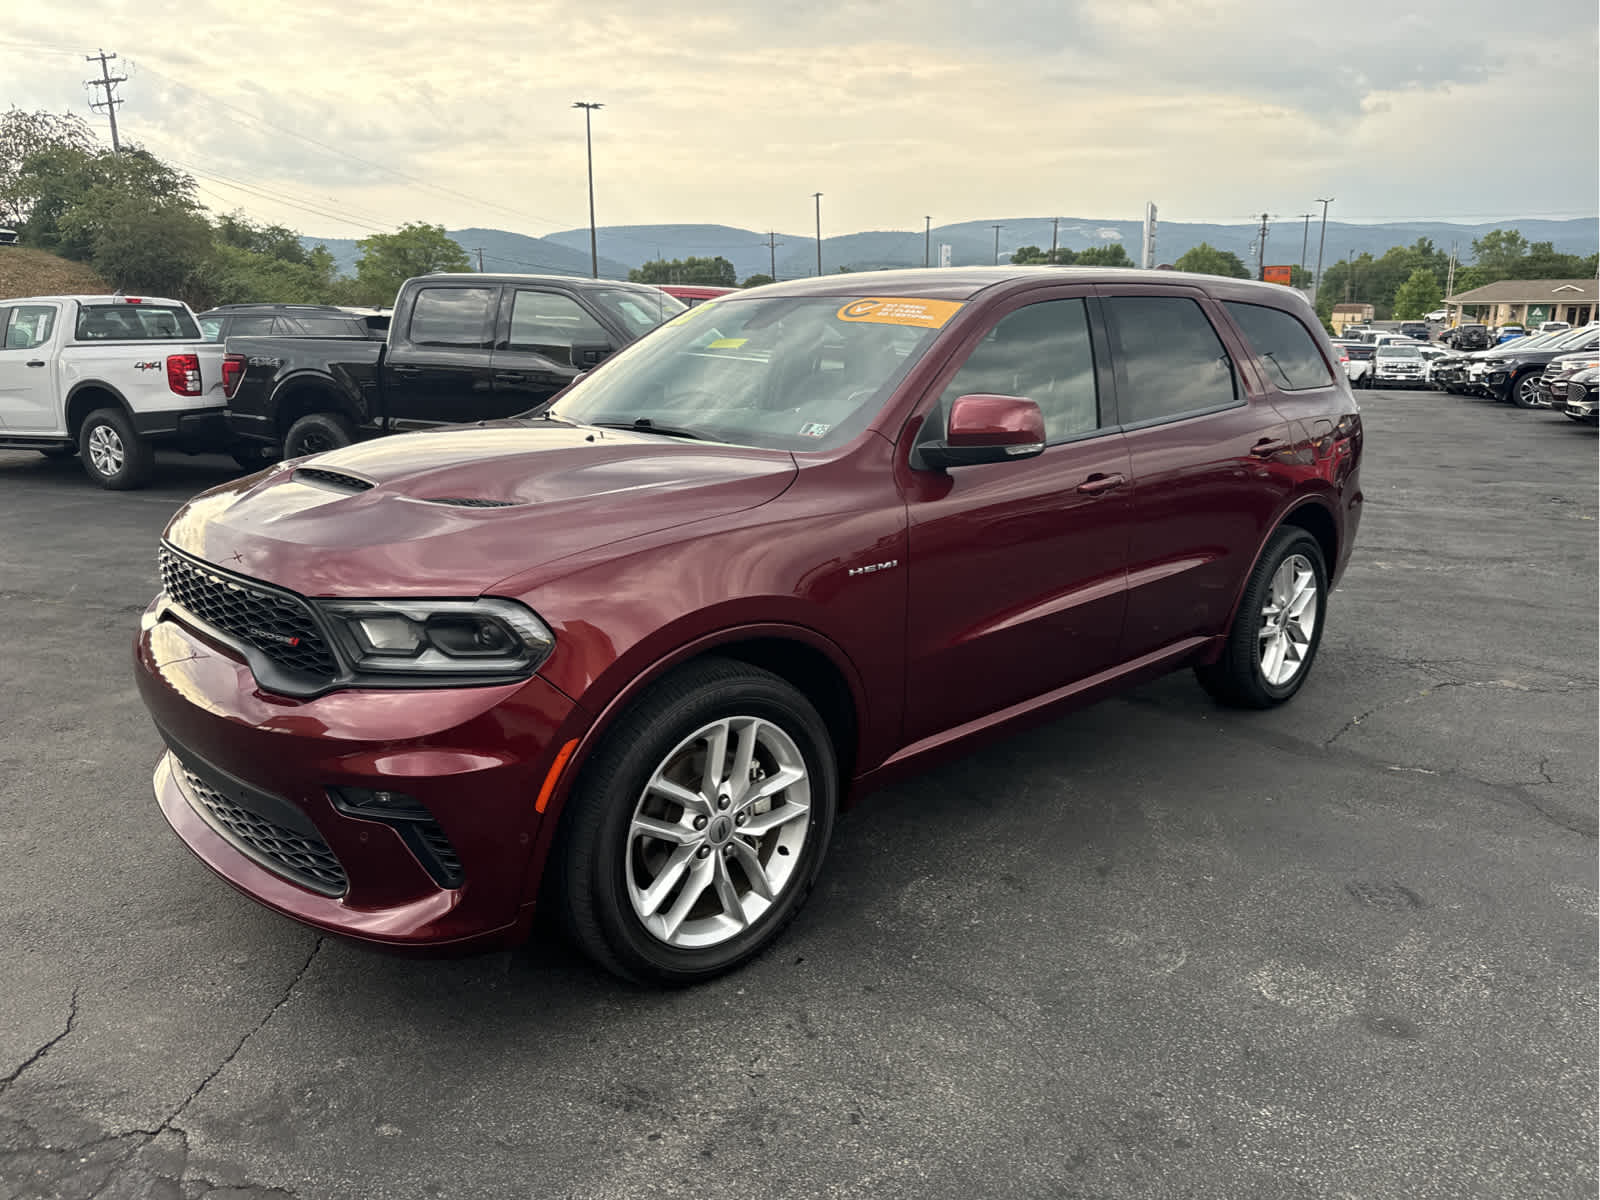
718 832
106 452
1288 619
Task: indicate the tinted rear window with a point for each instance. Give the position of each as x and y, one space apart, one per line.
452 316
1170 362
1284 345
135 323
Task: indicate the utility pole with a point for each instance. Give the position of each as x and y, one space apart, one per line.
997 229
1261 263
817 196
1305 243
927 241
772 253
1055 230
478 250
588 143
109 82
1450 284
1322 238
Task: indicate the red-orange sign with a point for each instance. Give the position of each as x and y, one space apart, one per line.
1281 275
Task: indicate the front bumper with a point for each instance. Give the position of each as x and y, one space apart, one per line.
1582 408
474 757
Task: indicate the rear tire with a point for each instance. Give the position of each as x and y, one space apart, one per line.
655 871
112 453
316 433
1270 649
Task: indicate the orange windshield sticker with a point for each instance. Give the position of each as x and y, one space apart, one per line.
901 310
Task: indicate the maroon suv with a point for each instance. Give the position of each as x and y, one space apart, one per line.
627 655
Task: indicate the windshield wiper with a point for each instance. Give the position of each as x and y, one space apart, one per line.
646 425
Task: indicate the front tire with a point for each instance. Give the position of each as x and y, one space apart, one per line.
113 454
1277 629
1525 390
698 827
315 433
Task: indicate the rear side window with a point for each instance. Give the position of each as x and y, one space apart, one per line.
29 325
329 327
452 316
250 326
1284 345
135 323
1170 361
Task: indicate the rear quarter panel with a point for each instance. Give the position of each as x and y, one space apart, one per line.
137 371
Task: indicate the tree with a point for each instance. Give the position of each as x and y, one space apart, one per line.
708 272
273 241
758 281
1032 256
1417 296
1499 252
1206 259
389 259
24 134
139 246
1105 256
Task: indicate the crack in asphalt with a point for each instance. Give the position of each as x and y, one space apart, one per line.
1445 685
167 1125
72 1019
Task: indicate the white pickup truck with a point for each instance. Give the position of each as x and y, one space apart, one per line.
108 378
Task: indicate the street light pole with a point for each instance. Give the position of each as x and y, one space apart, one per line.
927 241
817 196
997 229
588 142
1316 283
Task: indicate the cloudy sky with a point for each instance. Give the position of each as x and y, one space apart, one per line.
339 118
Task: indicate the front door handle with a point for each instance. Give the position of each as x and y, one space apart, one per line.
511 377
406 370
1267 447
36 362
1098 483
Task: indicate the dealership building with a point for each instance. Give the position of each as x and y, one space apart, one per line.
1526 302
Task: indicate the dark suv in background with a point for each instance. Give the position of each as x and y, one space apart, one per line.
292 320
1467 337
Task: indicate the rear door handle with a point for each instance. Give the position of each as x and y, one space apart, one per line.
511 377
1097 483
1267 447
406 370
36 362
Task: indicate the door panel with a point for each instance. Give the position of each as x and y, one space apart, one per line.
28 383
1017 577
1205 484
546 339
439 371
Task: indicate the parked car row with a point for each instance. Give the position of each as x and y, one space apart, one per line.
1531 372
110 378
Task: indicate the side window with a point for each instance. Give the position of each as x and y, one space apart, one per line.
1041 352
1285 346
329 327
29 325
1170 362
551 324
450 316
211 328
250 326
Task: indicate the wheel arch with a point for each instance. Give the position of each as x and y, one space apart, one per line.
88 395
301 395
1310 513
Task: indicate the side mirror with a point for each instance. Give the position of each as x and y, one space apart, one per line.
589 354
987 429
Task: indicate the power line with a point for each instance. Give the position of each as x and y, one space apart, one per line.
108 82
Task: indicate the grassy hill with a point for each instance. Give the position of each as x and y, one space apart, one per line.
25 272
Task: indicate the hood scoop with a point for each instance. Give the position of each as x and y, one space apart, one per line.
468 501
337 480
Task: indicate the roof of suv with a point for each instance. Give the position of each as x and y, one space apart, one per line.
338 310
578 281
963 283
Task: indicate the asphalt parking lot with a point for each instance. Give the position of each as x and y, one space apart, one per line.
1346 948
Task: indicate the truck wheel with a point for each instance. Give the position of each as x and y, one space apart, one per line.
316 432
112 453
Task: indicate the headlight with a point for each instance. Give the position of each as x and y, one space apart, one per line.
440 637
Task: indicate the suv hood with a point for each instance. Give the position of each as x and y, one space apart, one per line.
450 512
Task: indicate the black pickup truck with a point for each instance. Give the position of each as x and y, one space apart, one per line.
461 347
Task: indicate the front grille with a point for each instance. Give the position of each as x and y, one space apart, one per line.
470 502
334 479
299 857
279 624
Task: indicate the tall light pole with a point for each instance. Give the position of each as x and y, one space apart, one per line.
817 196
927 241
997 230
1316 283
1305 242
588 142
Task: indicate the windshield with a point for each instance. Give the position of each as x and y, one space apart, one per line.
1576 339
637 312
786 373
134 322
1398 351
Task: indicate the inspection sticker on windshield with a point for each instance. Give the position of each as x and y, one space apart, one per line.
901 310
813 429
